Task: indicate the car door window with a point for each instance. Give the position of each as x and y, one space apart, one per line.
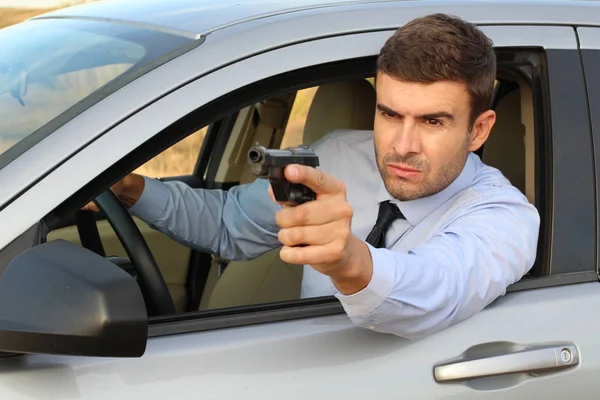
267 279
518 129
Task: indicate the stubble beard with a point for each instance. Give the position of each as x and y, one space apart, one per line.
432 183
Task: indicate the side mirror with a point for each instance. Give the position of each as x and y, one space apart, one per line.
60 298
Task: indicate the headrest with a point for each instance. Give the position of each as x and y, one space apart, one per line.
342 105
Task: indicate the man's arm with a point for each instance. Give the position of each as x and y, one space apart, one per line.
451 277
237 224
488 244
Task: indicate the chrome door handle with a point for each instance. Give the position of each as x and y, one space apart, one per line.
513 359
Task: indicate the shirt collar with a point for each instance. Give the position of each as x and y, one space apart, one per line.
416 210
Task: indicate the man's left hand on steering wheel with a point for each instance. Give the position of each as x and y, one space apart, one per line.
138 251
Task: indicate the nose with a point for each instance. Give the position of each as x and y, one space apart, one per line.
407 139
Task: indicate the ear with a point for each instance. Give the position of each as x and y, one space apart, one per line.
481 129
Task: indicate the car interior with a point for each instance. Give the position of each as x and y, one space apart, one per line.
276 122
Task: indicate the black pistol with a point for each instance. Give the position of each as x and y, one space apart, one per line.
270 163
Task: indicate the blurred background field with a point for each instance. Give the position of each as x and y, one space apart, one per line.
9 16
180 158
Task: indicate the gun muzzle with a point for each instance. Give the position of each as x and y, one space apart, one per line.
257 160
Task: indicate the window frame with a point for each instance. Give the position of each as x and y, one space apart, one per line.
572 170
565 111
589 39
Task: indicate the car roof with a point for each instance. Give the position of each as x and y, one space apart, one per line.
191 17
194 18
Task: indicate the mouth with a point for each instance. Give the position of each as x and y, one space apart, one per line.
403 171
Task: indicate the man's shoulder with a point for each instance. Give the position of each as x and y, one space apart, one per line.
488 179
490 187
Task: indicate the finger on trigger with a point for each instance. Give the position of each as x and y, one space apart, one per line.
317 180
321 182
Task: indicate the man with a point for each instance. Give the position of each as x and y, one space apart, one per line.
459 233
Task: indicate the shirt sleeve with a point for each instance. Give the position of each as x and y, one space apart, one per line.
238 224
461 269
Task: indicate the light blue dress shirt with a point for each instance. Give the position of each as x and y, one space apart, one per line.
456 252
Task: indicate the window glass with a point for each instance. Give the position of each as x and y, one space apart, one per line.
179 159
49 66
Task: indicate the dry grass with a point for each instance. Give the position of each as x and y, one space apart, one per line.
180 159
11 16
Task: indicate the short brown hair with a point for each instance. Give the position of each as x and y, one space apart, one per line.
440 47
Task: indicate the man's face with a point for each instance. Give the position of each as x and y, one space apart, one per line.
422 135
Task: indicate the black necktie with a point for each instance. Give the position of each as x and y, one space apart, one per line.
388 213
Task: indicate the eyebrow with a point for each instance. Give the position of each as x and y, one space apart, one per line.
435 115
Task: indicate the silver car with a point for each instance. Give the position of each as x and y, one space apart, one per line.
102 306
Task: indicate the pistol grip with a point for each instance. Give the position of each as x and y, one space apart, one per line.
287 192
299 194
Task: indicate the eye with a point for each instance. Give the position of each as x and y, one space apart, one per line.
389 116
434 122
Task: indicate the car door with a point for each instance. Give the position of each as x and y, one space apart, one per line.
535 342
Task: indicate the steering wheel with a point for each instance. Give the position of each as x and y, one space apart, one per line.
138 251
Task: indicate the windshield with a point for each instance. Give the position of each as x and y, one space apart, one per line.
48 67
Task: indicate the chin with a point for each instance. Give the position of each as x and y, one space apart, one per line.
401 190
406 196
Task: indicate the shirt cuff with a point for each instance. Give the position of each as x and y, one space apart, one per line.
378 289
152 203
